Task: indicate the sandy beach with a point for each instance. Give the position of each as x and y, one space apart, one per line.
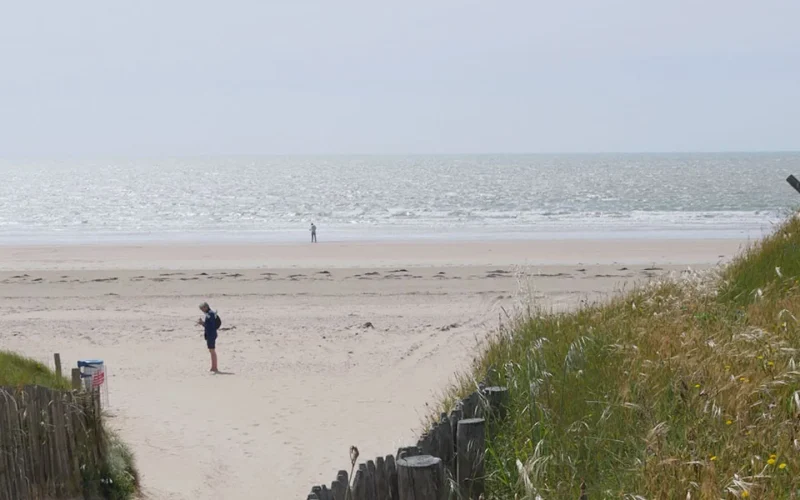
305 377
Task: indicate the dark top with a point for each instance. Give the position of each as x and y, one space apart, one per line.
210 324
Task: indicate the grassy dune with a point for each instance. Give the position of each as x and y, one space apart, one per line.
16 370
118 478
685 388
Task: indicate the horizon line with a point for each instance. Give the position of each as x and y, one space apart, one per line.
364 154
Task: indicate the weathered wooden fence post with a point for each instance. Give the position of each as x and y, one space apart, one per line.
381 481
340 486
470 405
57 359
359 490
371 470
497 401
421 478
455 415
76 379
792 180
391 474
471 446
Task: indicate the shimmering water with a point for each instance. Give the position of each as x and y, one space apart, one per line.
360 197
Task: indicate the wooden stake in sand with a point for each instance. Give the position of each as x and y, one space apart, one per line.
421 478
57 359
471 449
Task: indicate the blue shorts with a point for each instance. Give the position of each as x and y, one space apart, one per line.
211 342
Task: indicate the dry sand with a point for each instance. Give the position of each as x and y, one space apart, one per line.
306 378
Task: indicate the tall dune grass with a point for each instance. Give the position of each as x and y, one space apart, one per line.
685 388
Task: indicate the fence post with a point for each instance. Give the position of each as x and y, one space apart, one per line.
391 476
497 400
359 490
57 359
340 486
371 479
471 445
76 379
421 478
338 490
381 482
470 405
444 441
455 415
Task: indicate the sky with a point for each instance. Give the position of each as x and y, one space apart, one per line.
438 76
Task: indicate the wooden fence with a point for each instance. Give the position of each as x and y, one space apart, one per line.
49 441
446 462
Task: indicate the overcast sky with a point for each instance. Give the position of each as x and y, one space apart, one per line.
144 77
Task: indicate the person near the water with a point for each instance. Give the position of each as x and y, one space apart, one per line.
209 323
313 233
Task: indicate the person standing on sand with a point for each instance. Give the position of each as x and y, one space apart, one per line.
211 324
313 233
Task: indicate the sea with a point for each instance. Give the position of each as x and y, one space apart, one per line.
274 199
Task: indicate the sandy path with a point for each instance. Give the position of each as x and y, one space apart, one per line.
307 379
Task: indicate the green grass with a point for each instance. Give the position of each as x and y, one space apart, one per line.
684 388
16 370
118 478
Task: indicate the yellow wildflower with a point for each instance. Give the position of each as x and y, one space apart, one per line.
745 494
782 466
773 456
729 422
771 461
760 357
770 363
696 386
714 457
744 379
727 368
